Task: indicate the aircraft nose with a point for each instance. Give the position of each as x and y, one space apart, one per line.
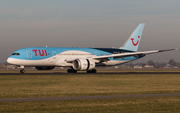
10 60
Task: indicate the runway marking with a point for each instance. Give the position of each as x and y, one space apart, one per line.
85 97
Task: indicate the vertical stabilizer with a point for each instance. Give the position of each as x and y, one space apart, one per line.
133 41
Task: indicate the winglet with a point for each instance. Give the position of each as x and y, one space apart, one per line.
133 41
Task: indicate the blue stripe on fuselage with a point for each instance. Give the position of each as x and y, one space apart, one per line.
39 53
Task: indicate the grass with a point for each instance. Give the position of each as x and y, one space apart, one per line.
128 105
26 86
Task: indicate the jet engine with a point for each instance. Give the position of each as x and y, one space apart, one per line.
83 64
44 67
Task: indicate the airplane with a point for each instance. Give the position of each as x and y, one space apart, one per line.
80 59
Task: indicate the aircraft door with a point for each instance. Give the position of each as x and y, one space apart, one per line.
29 54
96 53
54 54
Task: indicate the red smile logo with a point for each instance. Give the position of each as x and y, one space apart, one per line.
135 44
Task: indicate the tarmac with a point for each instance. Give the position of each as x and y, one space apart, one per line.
85 97
111 73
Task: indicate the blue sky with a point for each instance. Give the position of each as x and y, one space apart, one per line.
89 23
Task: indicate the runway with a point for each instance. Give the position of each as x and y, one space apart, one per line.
85 97
100 73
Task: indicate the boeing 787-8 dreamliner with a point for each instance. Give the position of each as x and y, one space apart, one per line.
80 59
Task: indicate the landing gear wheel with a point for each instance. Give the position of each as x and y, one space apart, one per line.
92 71
71 71
22 71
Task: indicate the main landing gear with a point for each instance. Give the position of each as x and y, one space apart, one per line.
71 71
92 71
75 71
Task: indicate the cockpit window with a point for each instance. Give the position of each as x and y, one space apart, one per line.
16 54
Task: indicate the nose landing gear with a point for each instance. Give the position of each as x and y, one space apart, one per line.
22 69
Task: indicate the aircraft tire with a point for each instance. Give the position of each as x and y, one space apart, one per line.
71 71
92 71
22 71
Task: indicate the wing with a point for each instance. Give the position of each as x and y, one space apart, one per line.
123 55
105 58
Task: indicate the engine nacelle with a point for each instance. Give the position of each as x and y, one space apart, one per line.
44 67
83 64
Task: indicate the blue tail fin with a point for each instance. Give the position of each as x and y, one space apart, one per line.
133 41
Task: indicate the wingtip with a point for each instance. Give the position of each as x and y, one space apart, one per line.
167 50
